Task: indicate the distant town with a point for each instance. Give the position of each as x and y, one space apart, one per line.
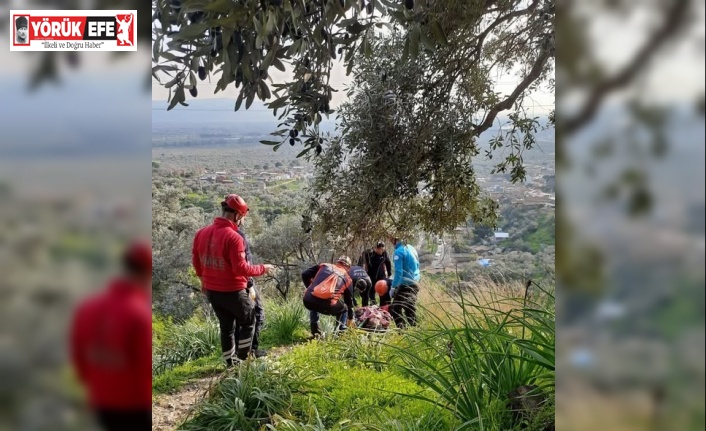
274 174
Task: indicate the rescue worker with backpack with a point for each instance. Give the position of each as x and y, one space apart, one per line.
328 291
219 259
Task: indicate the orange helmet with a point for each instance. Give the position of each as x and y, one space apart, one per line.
236 203
381 287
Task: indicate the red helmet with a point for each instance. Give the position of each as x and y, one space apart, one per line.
381 287
138 256
237 204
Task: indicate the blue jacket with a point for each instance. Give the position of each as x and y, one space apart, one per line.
406 262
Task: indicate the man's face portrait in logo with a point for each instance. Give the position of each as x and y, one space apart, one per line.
21 27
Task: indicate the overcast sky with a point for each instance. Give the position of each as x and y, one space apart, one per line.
540 103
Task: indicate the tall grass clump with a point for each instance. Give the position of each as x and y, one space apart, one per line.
285 322
179 343
247 398
474 352
350 388
428 422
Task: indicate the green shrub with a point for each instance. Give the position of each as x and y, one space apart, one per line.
159 330
173 379
285 323
247 398
474 362
196 338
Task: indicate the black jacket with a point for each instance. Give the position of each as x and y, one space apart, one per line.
376 265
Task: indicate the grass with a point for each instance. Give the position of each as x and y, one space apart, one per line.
542 235
175 378
454 371
285 323
247 398
474 354
355 386
175 345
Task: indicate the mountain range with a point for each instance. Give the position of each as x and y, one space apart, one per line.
258 120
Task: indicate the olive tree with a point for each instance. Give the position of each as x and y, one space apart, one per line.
175 288
424 90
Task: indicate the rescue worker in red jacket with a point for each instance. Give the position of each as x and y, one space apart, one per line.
111 345
328 291
218 256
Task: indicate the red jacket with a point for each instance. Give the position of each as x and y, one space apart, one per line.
111 347
218 256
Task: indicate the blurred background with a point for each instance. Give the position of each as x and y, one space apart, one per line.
630 215
74 189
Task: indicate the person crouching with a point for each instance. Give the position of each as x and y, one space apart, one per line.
328 292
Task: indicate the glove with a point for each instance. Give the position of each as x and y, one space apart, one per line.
350 323
251 293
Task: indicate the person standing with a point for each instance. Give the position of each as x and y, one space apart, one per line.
378 266
111 345
328 292
255 295
219 259
404 288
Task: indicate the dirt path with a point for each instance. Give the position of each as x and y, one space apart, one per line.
169 410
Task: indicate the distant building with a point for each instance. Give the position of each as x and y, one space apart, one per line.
501 235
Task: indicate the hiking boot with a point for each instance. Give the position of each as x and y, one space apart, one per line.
314 330
234 362
317 336
259 353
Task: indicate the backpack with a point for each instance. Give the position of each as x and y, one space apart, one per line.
326 289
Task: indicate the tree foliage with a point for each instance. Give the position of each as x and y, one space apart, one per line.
242 40
173 229
424 90
286 245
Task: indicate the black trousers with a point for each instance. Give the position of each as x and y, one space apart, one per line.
385 299
259 320
368 296
120 420
404 306
318 306
232 307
